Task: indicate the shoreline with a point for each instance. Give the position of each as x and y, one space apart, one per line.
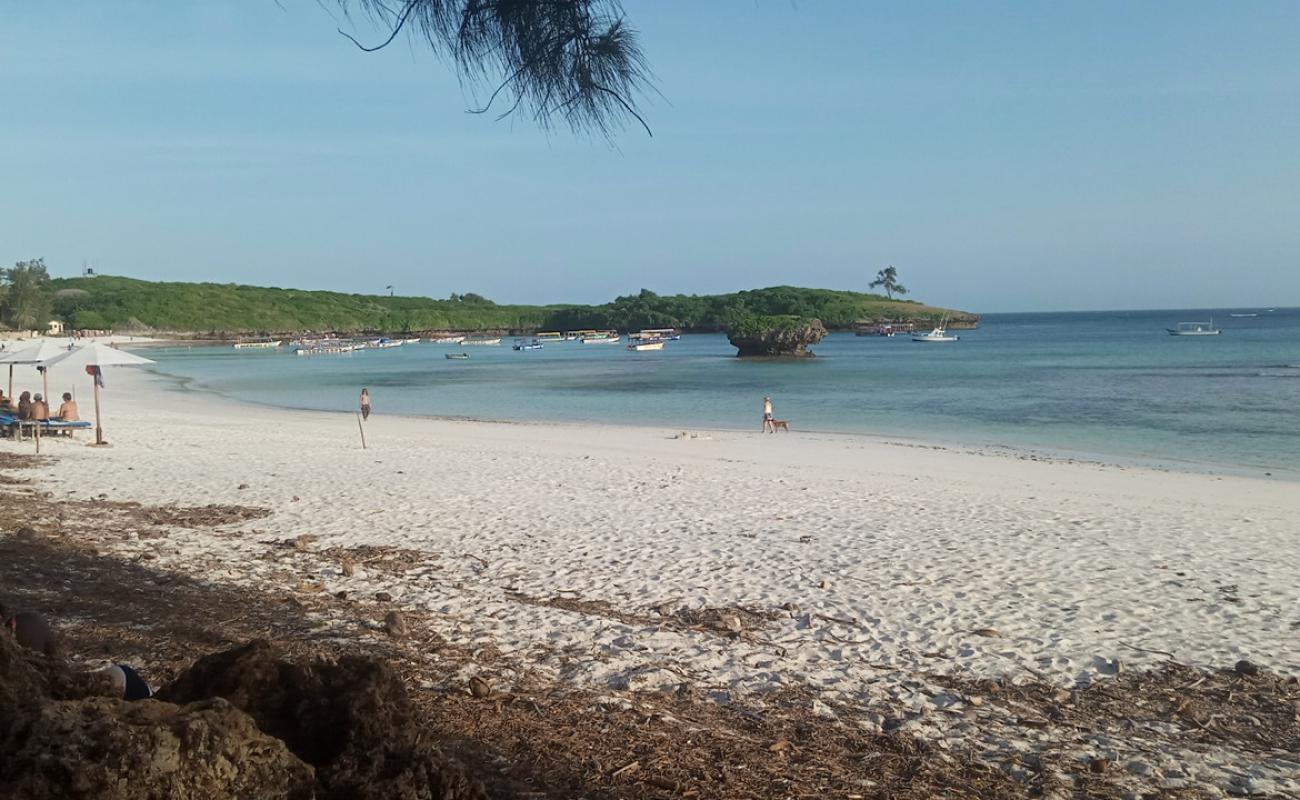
186 384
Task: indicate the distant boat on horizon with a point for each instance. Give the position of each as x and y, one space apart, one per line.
1195 329
1243 315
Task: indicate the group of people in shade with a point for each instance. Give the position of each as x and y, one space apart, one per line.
35 408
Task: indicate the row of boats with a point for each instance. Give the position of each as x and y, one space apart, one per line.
650 339
326 345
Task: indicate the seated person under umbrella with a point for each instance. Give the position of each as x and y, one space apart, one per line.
68 409
40 411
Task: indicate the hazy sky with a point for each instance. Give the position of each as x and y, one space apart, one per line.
1004 156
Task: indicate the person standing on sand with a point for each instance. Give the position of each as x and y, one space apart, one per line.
365 404
767 416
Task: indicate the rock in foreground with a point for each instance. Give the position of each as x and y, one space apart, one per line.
351 719
239 724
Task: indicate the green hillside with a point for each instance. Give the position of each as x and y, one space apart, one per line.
110 302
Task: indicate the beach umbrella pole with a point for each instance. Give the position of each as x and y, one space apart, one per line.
45 384
11 380
99 431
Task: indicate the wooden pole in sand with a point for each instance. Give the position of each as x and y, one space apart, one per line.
361 428
36 426
99 431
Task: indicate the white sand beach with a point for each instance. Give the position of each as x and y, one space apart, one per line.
881 564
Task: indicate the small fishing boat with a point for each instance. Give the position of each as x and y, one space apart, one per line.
410 340
939 334
384 343
526 344
258 344
550 336
456 356
1195 329
446 339
637 345
481 342
607 337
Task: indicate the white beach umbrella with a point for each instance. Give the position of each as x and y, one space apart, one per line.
39 355
98 356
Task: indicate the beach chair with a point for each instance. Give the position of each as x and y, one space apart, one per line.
60 427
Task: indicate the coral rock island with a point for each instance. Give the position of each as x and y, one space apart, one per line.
776 336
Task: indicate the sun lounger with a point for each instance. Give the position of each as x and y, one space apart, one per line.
27 427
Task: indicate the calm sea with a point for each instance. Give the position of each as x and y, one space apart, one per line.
1101 384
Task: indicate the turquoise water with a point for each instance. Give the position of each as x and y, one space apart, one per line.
1109 384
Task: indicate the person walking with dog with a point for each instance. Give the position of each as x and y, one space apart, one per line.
768 427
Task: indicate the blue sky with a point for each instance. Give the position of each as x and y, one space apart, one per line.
1004 156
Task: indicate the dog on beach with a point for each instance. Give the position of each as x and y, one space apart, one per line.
780 424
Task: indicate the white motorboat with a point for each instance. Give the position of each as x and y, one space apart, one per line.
446 339
939 334
615 339
1195 329
485 342
637 345
384 343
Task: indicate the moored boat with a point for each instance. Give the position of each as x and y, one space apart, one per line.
328 348
660 334
384 343
481 342
550 336
638 345
602 337
258 344
527 344
456 356
939 334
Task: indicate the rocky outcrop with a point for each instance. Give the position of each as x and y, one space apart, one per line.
113 750
238 724
351 719
786 337
63 736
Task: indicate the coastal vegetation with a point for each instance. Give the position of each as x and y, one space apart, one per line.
887 279
24 295
107 302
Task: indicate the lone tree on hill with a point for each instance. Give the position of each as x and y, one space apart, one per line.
573 61
887 279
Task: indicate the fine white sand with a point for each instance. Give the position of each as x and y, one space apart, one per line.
885 561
